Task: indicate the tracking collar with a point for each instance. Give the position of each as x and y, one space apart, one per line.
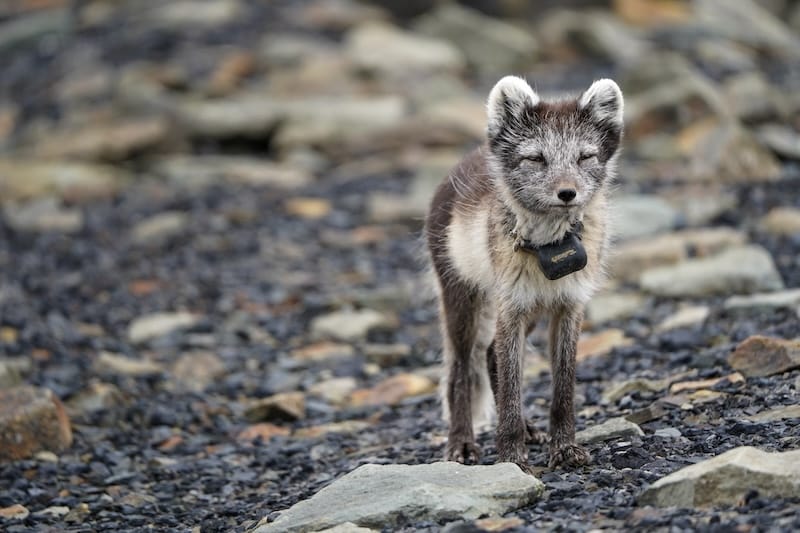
559 258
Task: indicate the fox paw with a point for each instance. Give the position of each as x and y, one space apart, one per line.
568 455
463 452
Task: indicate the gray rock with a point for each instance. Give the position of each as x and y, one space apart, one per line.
668 433
751 97
203 171
614 306
686 316
743 270
43 214
195 371
116 364
619 390
159 228
781 139
381 48
376 495
610 429
725 479
490 45
759 356
348 325
763 301
155 325
22 179
12 369
245 115
778 413
641 215
25 30
746 22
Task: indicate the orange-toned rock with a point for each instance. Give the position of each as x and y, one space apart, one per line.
16 511
758 356
286 406
601 343
32 419
392 390
675 388
264 431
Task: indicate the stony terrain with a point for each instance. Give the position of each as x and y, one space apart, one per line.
212 303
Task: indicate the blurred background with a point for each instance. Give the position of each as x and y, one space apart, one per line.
208 203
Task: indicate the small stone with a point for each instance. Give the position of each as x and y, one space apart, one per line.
778 413
346 426
197 370
610 429
668 433
739 270
614 306
32 419
648 414
681 386
334 390
763 301
489 45
727 478
187 14
758 356
347 527
349 325
156 325
112 141
26 179
384 49
782 140
386 355
43 214
202 171
97 396
12 369
231 71
498 523
620 390
55 511
308 208
160 227
648 14
14 512
323 351
601 343
282 407
46 456
376 495
782 221
264 431
642 215
392 390
116 364
690 315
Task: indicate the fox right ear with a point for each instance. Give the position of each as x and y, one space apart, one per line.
507 100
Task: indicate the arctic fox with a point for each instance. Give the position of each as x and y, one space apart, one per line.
516 233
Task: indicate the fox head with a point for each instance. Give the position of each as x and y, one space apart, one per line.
552 157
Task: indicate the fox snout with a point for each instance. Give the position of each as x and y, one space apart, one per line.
566 190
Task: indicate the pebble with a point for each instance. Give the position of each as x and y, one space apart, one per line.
727 478
349 325
196 371
782 221
115 364
334 390
781 139
681 386
668 433
264 431
376 495
686 316
323 351
71 180
14 512
610 429
394 389
152 326
203 171
601 343
741 270
620 390
764 356
282 407
779 413
160 227
32 419
763 301
43 214
614 306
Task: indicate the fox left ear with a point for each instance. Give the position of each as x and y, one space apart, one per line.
604 100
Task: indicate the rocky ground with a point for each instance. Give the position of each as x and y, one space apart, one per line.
211 295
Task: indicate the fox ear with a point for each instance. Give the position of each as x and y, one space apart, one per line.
508 99
604 100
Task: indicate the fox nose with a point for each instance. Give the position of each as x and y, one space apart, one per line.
566 195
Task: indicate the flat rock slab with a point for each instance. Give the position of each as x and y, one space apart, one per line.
610 429
758 356
31 420
725 479
382 496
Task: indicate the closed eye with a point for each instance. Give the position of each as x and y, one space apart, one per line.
537 158
586 156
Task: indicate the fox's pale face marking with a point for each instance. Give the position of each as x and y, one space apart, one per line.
552 157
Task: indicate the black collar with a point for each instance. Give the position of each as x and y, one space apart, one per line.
559 258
